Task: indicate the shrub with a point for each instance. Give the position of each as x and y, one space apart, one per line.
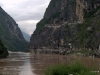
63 69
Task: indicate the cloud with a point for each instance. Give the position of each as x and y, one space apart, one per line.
28 26
28 9
25 10
1 4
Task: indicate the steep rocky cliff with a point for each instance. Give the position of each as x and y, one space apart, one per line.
69 24
10 33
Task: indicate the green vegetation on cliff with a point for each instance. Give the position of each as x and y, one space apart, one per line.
3 50
86 34
89 30
43 22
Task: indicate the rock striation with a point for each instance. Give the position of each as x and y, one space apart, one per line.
68 24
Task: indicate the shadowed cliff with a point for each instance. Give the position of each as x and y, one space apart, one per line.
10 33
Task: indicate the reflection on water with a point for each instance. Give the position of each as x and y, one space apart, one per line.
16 64
29 64
26 69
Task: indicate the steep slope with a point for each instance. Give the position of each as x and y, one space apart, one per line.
3 50
10 33
68 24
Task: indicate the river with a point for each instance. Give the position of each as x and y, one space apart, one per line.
30 64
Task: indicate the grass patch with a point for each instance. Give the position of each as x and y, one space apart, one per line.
63 69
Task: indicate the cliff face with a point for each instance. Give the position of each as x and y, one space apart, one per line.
10 33
68 23
70 10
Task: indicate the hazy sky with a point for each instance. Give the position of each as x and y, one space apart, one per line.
25 12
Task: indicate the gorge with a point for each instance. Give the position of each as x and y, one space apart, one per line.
68 26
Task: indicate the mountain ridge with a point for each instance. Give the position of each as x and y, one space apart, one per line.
10 33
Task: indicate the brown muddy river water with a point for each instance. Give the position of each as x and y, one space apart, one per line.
28 64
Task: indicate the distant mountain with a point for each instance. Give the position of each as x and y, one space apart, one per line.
26 36
10 33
